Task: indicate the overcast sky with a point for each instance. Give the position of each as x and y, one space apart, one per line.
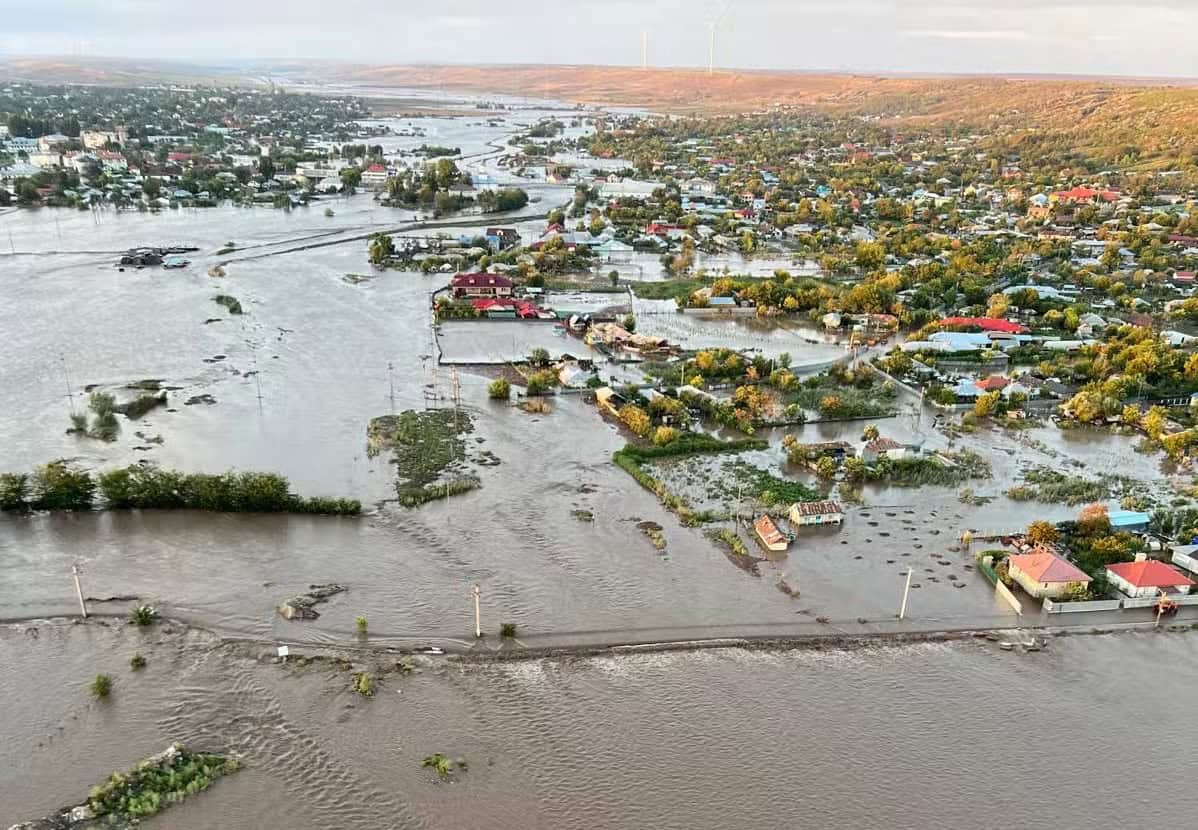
1117 37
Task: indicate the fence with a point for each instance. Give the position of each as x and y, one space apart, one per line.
1051 607
1148 602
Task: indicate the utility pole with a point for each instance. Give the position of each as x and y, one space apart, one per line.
79 590
257 379
711 49
391 381
70 389
644 49
906 590
478 625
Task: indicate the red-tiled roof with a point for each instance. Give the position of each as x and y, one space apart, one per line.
993 383
984 323
883 444
1042 566
768 531
1150 574
817 508
376 168
1082 194
479 280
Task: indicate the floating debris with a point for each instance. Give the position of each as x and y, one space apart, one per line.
303 607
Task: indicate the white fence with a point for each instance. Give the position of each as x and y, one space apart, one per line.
1127 603
1051 607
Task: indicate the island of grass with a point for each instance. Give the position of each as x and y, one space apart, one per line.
153 785
429 452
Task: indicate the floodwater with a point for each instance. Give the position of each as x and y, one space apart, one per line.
291 386
917 736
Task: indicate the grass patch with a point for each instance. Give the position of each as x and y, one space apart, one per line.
137 662
158 783
507 629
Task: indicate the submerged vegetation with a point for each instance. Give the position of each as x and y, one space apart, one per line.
158 783
1053 487
429 453
631 459
231 303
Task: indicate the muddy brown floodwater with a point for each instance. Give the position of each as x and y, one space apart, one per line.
836 741
917 736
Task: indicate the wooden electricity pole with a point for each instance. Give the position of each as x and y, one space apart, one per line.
906 591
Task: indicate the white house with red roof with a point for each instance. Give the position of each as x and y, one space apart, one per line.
375 177
1147 578
816 513
1041 573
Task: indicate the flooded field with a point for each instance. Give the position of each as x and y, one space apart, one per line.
848 736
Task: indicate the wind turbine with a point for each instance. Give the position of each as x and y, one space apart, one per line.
724 8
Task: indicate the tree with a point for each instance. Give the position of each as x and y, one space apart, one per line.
1094 520
854 469
152 187
381 248
997 306
266 168
825 467
870 256
664 435
57 486
870 433
614 278
986 404
1154 422
1042 533
351 177
538 357
635 418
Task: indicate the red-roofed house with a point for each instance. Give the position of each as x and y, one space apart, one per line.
1086 194
768 534
375 177
1044 574
481 285
806 513
994 383
983 323
1147 578
1184 278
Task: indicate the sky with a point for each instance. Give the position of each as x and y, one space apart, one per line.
1087 37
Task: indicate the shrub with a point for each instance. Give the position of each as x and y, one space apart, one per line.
541 382
360 624
231 303
137 662
14 491
101 686
664 435
500 390
143 615
507 629
57 486
364 684
539 357
439 762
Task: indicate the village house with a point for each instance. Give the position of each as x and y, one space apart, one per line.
883 447
768 534
816 513
375 177
1147 578
1041 573
480 285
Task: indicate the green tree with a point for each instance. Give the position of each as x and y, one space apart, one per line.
825 467
500 389
381 248
57 486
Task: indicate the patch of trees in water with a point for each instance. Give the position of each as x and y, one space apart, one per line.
60 486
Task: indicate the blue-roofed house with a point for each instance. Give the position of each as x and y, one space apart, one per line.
967 389
721 302
1130 520
962 341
